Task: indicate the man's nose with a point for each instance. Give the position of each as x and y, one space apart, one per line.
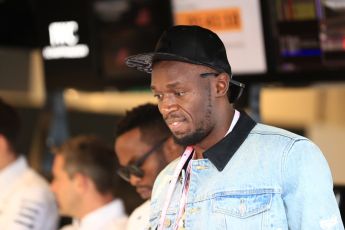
134 180
167 105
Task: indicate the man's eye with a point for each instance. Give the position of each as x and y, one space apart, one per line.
158 96
180 93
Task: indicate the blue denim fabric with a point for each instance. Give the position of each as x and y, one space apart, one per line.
276 180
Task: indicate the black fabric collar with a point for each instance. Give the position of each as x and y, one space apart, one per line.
221 153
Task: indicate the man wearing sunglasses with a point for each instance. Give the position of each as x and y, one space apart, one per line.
235 173
144 146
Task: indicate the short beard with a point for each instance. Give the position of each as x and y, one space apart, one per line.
191 139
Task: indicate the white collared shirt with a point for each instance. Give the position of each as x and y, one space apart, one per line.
139 219
111 216
233 122
26 201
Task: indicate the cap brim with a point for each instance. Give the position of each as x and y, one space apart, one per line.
143 62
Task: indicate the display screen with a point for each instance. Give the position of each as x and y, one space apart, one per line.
310 35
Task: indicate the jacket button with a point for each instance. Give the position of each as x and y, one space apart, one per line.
200 167
242 208
167 223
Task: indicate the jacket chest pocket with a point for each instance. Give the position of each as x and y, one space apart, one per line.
247 210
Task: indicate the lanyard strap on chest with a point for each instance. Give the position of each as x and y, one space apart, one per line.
172 185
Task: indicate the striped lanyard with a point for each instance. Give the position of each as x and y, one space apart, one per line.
189 150
184 195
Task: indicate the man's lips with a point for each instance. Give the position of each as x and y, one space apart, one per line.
144 191
173 120
175 124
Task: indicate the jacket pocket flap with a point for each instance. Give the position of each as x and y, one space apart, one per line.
241 205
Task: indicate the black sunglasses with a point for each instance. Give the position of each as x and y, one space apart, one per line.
125 172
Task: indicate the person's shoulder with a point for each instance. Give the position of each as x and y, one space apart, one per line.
139 218
34 186
118 224
271 135
141 211
271 131
142 208
35 179
291 143
68 227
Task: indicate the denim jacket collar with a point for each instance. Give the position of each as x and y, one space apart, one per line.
221 153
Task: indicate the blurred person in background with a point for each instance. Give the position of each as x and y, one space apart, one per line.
144 146
84 178
26 202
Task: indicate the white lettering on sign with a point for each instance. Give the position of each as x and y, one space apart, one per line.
63 33
64 38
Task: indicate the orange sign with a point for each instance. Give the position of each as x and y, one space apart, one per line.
217 19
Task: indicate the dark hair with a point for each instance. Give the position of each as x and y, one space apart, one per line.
9 124
92 157
149 121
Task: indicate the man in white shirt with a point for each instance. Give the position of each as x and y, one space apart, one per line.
84 182
26 202
144 146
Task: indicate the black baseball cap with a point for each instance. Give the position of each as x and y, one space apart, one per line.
191 44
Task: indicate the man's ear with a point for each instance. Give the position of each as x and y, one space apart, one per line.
222 84
4 145
80 182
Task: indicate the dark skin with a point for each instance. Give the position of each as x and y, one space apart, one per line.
130 147
196 109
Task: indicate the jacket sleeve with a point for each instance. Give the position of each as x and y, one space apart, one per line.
308 189
30 209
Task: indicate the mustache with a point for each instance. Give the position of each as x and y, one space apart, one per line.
173 116
143 186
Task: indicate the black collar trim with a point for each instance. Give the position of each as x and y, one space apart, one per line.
221 153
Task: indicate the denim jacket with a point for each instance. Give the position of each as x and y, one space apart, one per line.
257 177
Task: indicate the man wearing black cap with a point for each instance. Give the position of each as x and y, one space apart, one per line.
235 173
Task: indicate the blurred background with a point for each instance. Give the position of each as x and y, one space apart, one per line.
62 65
